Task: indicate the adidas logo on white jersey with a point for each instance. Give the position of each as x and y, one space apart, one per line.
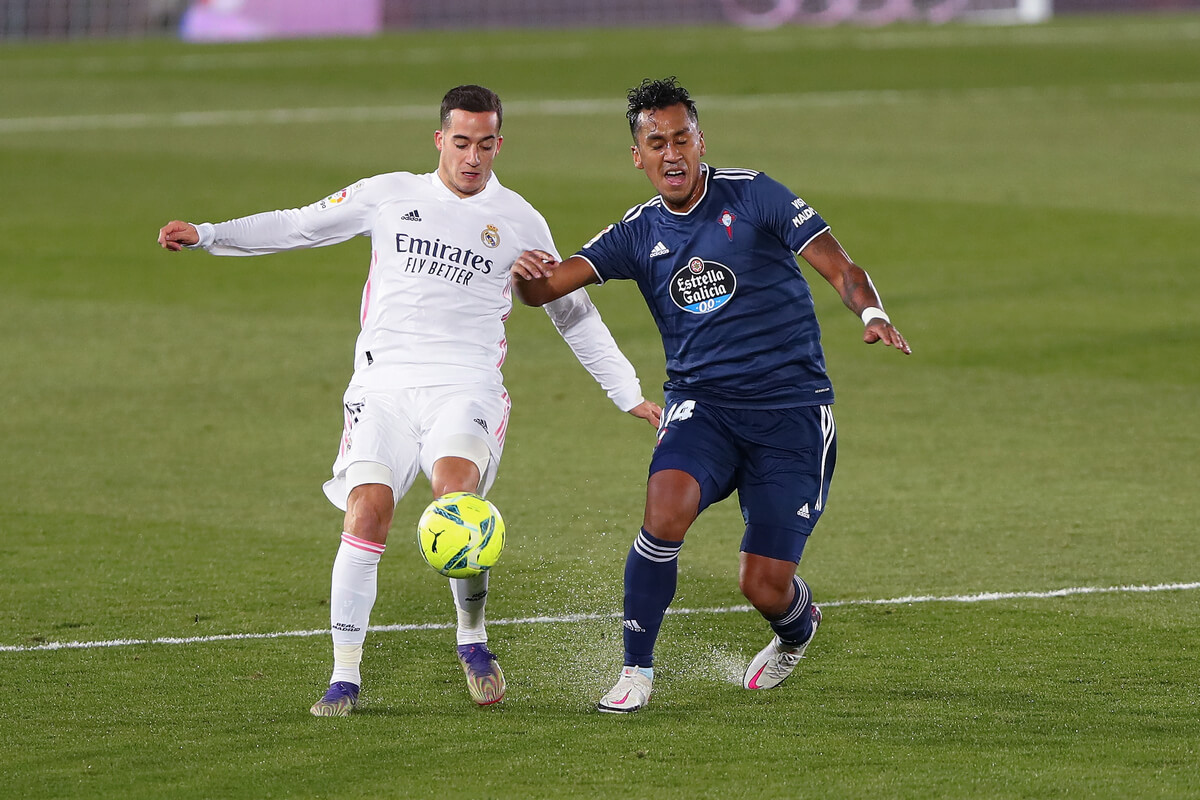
412 216
803 511
660 249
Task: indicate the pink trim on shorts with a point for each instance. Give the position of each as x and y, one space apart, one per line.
502 428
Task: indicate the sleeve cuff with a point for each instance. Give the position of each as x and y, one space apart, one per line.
627 397
207 233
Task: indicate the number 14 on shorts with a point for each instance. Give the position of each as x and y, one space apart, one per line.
676 412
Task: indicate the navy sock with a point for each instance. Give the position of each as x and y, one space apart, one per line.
795 626
651 573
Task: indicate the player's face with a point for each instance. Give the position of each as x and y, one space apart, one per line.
669 147
468 144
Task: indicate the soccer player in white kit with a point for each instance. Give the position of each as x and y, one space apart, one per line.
427 391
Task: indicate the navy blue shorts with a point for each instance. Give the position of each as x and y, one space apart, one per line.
780 461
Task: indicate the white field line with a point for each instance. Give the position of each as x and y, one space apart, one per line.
983 597
589 107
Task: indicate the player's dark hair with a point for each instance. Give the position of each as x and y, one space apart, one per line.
471 98
650 95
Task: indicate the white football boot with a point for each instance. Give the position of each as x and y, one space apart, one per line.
631 692
776 661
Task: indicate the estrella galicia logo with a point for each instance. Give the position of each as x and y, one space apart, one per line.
702 286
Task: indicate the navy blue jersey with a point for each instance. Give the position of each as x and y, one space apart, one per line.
723 284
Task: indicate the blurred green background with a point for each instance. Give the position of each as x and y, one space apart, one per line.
1027 201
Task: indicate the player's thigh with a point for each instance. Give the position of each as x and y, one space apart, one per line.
784 484
468 422
380 444
693 438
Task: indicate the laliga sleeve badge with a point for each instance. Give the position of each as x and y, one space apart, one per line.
727 219
337 198
490 236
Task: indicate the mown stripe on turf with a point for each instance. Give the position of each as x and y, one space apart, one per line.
982 597
586 107
1127 34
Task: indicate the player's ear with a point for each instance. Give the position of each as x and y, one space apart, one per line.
637 157
701 142
499 141
437 139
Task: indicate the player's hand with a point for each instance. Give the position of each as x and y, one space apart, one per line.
880 331
176 235
649 411
533 264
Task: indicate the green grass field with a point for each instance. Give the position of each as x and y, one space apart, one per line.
1028 203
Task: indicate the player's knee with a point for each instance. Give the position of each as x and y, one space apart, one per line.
771 598
667 522
672 504
463 467
369 511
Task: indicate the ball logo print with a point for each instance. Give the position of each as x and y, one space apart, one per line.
461 534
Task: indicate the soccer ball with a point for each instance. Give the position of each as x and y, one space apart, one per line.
461 534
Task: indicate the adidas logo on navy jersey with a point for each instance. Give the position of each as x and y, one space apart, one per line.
804 512
412 216
660 249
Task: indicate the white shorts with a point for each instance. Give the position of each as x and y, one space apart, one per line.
407 430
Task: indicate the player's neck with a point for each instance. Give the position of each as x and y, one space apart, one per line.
458 192
693 199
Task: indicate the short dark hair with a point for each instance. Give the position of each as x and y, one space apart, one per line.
470 97
655 94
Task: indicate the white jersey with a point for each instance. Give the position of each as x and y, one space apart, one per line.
437 292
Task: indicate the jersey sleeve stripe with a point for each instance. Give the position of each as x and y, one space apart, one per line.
591 264
815 235
735 173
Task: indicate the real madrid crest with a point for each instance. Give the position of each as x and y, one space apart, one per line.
490 236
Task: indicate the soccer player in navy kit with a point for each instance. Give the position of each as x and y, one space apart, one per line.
747 399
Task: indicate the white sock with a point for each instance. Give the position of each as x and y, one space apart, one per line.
470 597
351 596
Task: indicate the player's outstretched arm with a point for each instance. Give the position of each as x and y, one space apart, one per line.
538 277
176 235
851 281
